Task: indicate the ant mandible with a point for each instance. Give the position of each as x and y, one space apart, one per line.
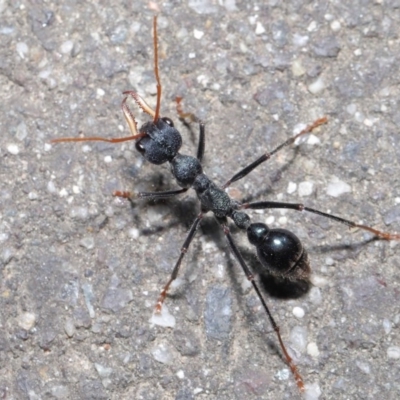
278 250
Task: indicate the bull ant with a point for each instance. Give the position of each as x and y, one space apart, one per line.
279 251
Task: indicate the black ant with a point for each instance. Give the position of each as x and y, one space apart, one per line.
279 251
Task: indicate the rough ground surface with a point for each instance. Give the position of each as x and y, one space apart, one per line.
81 270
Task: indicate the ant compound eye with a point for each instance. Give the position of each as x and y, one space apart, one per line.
139 147
168 121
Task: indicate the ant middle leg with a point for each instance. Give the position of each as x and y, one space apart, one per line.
261 205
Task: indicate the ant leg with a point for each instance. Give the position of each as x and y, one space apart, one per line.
150 195
250 277
260 205
130 119
246 170
192 118
175 271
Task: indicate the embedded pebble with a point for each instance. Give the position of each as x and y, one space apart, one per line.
67 47
298 338
162 353
337 187
104 372
22 131
87 242
89 297
292 187
317 86
13 149
297 68
393 352
198 34
305 188
27 320
164 318
312 391
259 28
312 349
22 49
69 327
298 312
387 326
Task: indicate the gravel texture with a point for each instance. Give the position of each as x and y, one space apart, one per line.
81 271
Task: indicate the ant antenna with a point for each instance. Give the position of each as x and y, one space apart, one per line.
159 89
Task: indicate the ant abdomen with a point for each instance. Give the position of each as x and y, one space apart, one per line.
280 251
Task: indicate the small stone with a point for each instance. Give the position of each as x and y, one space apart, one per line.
104 372
164 318
198 34
259 29
13 149
69 327
162 353
67 47
305 188
297 68
298 312
317 86
337 187
87 242
312 349
312 391
393 352
292 187
298 337
27 320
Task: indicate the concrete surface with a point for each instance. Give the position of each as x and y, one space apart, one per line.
81 270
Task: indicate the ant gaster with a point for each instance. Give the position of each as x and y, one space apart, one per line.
279 251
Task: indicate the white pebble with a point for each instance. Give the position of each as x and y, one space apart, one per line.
51 187
318 281
69 327
13 149
22 49
297 68
198 34
335 25
104 372
164 318
298 312
292 187
312 392
67 46
162 353
22 131
387 326
393 352
180 374
27 320
317 86
337 187
298 337
107 159
259 28
133 233
305 188
312 349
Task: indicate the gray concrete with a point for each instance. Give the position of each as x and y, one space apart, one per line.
81 270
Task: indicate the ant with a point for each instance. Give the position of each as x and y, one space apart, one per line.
279 251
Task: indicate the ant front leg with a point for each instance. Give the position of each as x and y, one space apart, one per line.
261 205
175 271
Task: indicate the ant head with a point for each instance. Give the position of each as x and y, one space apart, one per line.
160 141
